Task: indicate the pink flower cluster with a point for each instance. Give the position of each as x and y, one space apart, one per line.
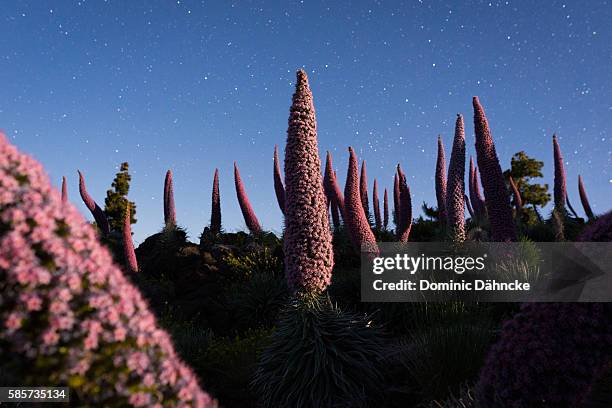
455 194
68 311
309 254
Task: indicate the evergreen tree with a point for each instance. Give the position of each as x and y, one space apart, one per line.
116 200
523 169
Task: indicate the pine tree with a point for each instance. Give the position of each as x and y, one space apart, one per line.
116 200
523 169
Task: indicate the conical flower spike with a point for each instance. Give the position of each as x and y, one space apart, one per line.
93 207
279 188
250 218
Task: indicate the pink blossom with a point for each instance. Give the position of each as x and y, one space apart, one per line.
245 205
169 209
455 192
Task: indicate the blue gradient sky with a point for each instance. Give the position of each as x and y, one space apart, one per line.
192 85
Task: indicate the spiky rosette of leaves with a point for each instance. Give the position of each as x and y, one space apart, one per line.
93 207
309 254
68 315
354 215
376 203
396 203
598 231
405 208
250 218
560 189
215 214
385 210
169 209
497 199
584 199
128 243
441 181
279 187
64 190
363 190
342 372
548 355
516 195
455 192
331 186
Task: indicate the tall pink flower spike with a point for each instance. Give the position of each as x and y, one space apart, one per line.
169 210
405 207
62 292
585 199
215 213
64 190
363 190
396 203
385 210
478 204
441 181
279 188
332 189
376 203
497 199
309 254
128 243
93 207
455 193
250 218
560 190
354 217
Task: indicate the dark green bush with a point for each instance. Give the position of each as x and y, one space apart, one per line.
320 356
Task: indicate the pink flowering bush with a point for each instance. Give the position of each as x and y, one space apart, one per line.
309 255
455 192
245 205
93 207
584 199
441 181
215 213
279 188
68 313
169 210
497 199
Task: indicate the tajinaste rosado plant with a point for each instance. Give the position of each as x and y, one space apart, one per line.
396 203
497 199
332 190
468 205
128 243
455 192
354 215
405 208
363 190
250 218
584 199
68 315
441 181
478 203
64 190
560 189
93 207
309 256
385 210
215 213
376 204
279 188
169 209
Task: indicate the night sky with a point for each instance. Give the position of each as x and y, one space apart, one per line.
192 85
